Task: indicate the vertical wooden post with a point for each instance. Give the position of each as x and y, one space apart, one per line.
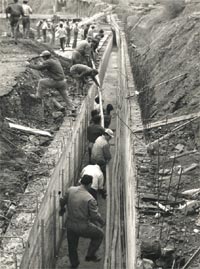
42 246
63 191
69 168
54 224
75 161
79 155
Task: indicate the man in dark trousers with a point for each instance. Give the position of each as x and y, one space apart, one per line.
87 26
80 72
26 18
83 220
107 115
75 32
94 130
56 78
16 11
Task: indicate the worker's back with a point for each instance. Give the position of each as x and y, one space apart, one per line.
94 131
79 68
77 205
55 69
98 153
84 47
15 10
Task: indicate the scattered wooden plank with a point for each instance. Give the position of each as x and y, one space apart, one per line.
28 129
191 259
155 143
184 154
167 121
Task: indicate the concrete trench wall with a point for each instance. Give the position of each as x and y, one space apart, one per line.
129 147
34 234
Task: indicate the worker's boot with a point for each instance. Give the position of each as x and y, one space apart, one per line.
58 105
92 258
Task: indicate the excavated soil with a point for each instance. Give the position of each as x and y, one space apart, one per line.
21 152
164 50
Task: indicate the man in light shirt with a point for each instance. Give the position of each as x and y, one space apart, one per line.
61 33
97 180
26 18
101 150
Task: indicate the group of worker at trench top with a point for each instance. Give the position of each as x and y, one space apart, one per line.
84 57
80 70
81 201
15 12
66 31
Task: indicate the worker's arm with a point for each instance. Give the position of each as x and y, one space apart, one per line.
93 212
30 10
87 73
88 60
95 80
100 181
63 202
22 11
84 74
107 154
37 66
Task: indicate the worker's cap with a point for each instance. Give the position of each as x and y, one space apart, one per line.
45 53
86 180
109 132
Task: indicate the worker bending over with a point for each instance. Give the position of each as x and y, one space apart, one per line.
81 72
97 185
95 43
101 150
83 220
56 80
82 54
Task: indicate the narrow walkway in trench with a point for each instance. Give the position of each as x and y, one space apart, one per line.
109 96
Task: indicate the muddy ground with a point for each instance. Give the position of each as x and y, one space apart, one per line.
164 50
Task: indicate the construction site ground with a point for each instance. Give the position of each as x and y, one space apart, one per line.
21 151
164 50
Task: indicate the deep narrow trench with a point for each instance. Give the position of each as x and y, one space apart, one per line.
109 86
169 173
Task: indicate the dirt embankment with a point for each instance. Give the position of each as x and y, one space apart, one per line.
21 152
164 50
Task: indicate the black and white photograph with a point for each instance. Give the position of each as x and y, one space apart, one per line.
100 134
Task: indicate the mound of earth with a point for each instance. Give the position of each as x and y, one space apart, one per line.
21 152
165 60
